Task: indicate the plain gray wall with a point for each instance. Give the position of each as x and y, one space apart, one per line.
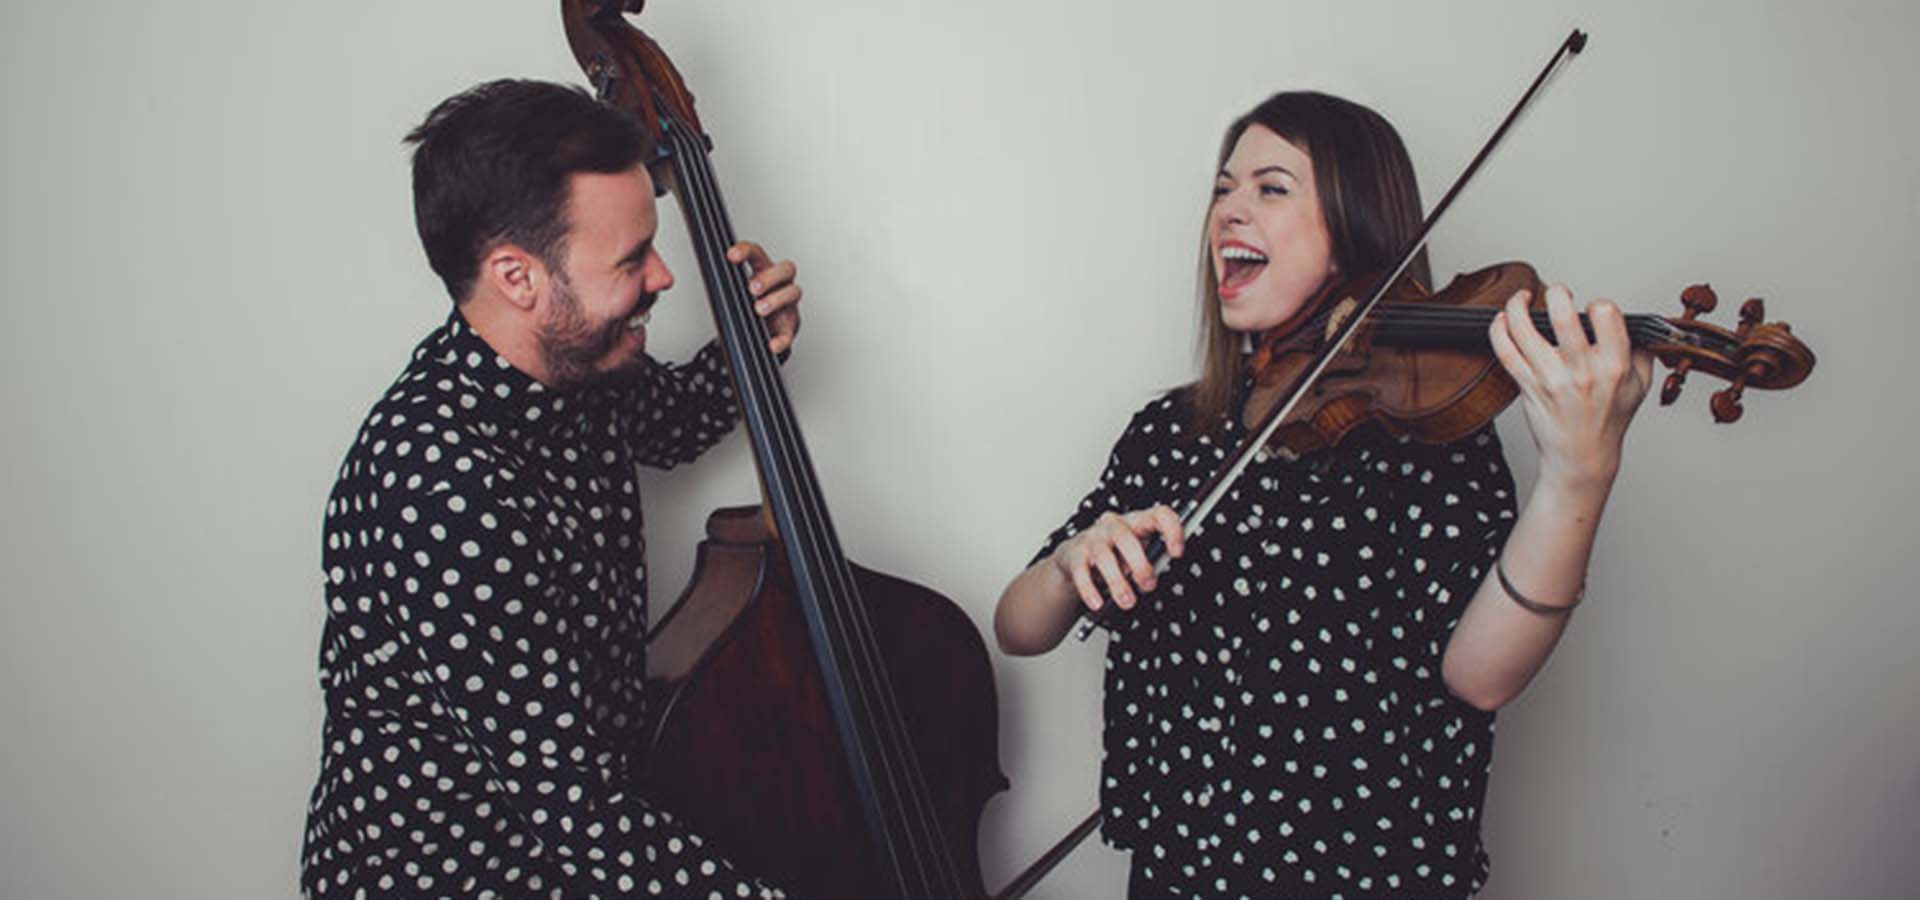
995 206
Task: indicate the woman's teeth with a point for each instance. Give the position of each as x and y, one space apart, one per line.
1239 265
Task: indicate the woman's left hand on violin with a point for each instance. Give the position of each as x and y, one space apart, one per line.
1579 394
776 295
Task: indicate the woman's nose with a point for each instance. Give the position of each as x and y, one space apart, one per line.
1230 209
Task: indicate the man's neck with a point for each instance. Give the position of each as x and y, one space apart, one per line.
504 329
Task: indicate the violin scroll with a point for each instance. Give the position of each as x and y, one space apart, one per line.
1756 353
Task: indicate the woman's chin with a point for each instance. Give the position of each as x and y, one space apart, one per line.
1243 319
1245 313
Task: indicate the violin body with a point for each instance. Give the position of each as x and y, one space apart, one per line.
745 750
1434 394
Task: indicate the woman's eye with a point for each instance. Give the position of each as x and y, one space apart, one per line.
1220 190
1273 190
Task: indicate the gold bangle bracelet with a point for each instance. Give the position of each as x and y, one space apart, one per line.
1528 603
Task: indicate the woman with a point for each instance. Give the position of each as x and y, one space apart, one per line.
1304 706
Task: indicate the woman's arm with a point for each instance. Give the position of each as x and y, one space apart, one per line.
1039 606
1579 397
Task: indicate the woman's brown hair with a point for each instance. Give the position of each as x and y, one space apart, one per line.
1369 201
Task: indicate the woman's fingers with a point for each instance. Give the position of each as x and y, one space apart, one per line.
1135 555
1507 351
1162 517
1531 342
1568 336
1083 583
1111 553
1109 566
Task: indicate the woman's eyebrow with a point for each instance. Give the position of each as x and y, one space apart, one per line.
1263 170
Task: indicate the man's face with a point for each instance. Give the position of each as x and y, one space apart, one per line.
609 278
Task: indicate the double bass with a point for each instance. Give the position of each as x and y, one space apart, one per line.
832 728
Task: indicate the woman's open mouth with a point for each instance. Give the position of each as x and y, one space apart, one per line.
1239 266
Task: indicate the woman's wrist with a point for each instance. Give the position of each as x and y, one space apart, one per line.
1592 479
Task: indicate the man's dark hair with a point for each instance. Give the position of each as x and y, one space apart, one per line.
490 166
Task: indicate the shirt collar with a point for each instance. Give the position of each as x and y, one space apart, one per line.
461 362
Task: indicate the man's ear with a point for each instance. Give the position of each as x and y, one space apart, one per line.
514 274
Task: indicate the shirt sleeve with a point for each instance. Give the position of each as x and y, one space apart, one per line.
1456 503
681 410
1120 488
509 689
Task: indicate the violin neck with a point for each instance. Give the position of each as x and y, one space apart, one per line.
894 798
1421 325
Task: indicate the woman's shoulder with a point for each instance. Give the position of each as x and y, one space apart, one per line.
1166 418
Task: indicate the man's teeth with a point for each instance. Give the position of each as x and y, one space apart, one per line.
639 320
1241 254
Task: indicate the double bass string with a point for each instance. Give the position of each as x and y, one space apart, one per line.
888 725
758 387
817 541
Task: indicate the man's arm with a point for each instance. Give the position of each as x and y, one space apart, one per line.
478 618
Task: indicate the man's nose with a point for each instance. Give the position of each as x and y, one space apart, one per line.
659 277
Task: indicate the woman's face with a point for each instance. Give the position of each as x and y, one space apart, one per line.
1266 238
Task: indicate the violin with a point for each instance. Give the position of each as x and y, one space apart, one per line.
832 728
1421 367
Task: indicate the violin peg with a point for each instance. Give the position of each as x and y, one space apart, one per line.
1726 403
1752 313
1670 389
1698 299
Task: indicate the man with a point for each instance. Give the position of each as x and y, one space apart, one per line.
484 645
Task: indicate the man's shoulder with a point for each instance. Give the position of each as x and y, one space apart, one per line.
422 440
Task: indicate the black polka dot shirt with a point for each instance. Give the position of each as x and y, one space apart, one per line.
1276 723
484 645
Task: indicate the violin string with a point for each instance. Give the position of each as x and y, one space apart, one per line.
875 685
1643 329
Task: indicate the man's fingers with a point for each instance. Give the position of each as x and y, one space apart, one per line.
780 299
770 277
748 252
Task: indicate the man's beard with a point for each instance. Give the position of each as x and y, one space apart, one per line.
572 347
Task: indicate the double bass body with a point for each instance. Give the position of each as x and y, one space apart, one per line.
746 750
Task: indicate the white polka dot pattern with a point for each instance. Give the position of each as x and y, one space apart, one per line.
1276 725
485 637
